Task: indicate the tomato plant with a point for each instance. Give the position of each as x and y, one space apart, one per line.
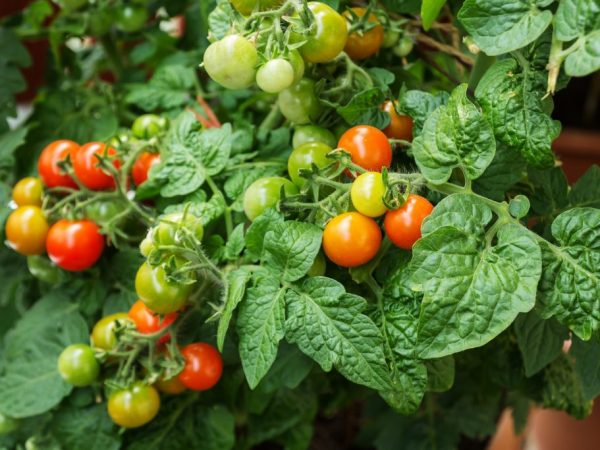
299 103
87 165
363 44
74 245
303 158
203 366
311 133
78 366
48 163
142 166
231 62
134 406
351 239
400 126
148 322
26 230
275 76
265 193
368 147
28 191
103 334
403 225
367 194
158 293
149 125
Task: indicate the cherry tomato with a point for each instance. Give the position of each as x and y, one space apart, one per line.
87 165
390 37
27 230
74 245
142 166
78 366
104 211
265 193
400 126
148 322
368 147
312 133
147 126
157 292
170 227
147 244
131 18
304 157
28 192
203 366
53 153
351 239
367 194
403 47
328 36
246 7
172 386
231 62
299 103
319 266
403 225
298 65
275 76
367 43
103 333
135 406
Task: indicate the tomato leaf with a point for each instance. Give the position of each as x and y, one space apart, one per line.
587 355
167 89
364 109
255 235
563 390
440 374
586 191
430 9
419 105
85 428
233 295
507 168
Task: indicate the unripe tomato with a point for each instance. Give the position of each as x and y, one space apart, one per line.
78 366
147 244
135 406
400 126
319 266
74 245
299 103
131 18
304 157
147 126
28 192
103 211
403 225
298 65
142 166
265 193
203 366
172 386
171 226
390 38
368 147
363 45
246 7
103 334
328 36
148 322
351 239
157 292
403 47
87 165
231 62
53 153
367 194
27 230
275 76
313 133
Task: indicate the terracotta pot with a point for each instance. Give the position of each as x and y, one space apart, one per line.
578 150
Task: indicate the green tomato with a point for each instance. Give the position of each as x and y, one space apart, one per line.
78 366
149 125
390 38
8 424
147 244
169 228
157 292
134 406
103 211
299 103
298 65
265 193
103 334
367 194
403 47
131 18
100 21
304 157
313 133
275 76
43 269
319 266
231 62
328 37
246 7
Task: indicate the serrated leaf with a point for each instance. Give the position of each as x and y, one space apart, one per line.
85 429
586 191
167 89
587 365
562 389
506 169
419 105
364 109
255 235
236 243
550 195
440 374
235 289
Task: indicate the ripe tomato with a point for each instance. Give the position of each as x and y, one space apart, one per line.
368 147
400 126
351 239
131 18
299 103
328 36
203 366
367 43
135 406
74 245
265 193
275 76
170 226
103 333
53 153
148 322
304 157
231 62
312 133
142 166
246 7
157 292
27 230
403 225
28 192
149 125
78 366
87 165
172 386
367 194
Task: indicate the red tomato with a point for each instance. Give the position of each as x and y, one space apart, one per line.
87 169
74 244
148 322
53 153
403 225
400 126
142 166
368 147
203 366
351 239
